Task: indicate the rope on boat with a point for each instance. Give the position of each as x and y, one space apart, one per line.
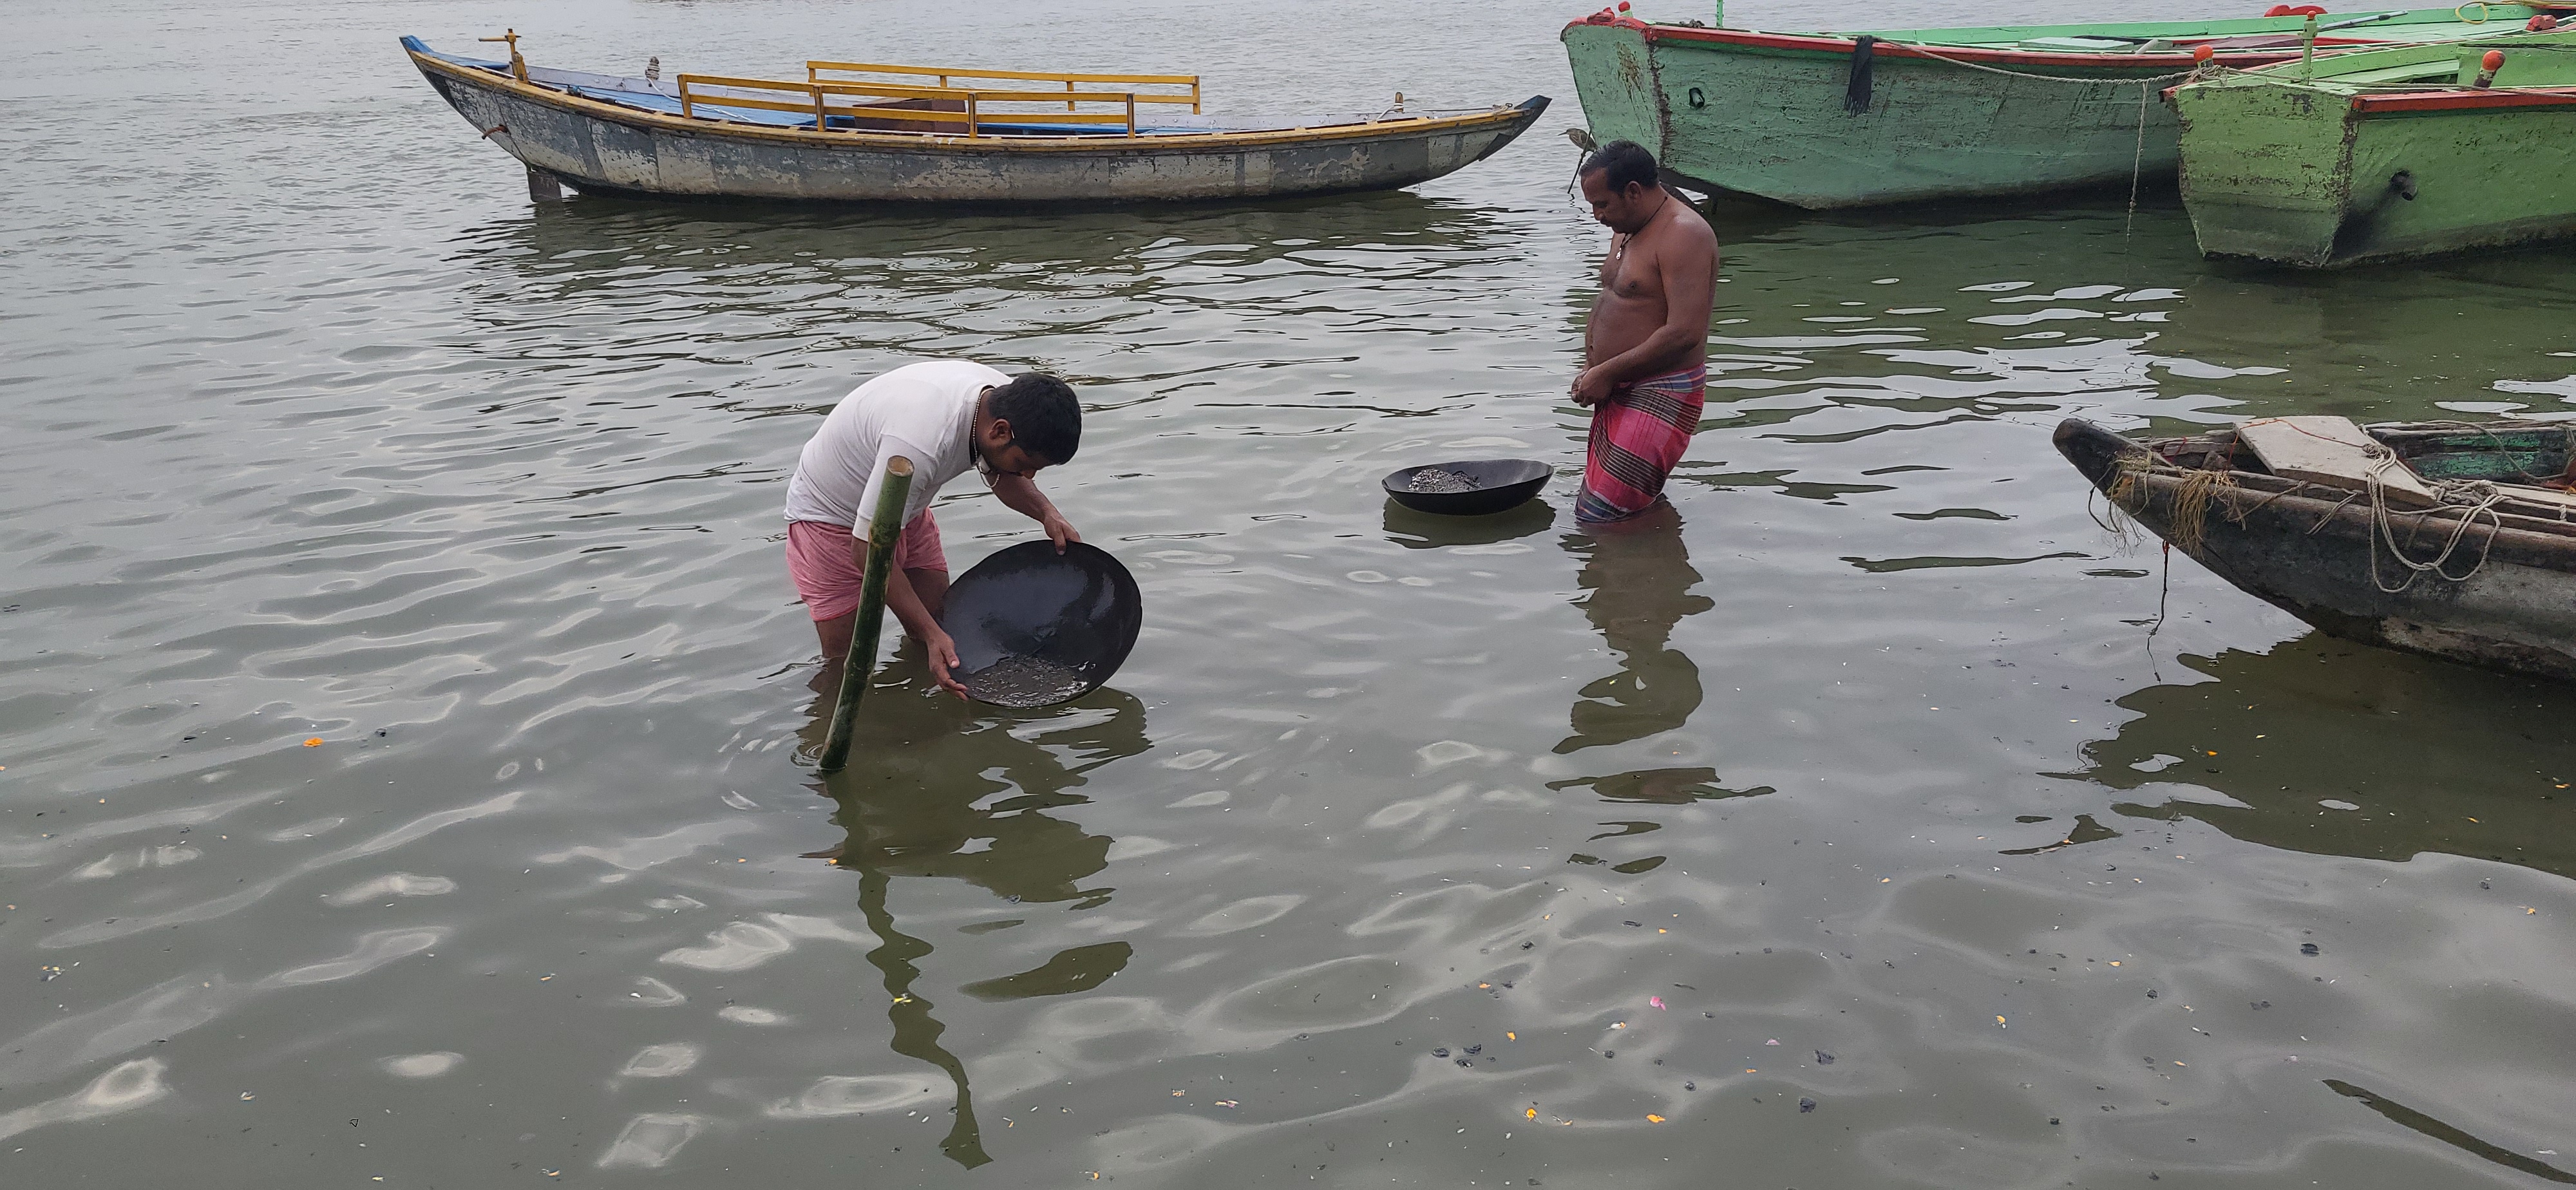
2469 498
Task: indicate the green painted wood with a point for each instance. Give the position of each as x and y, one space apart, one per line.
1770 121
869 623
2288 170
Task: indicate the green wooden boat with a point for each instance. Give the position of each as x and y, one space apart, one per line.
1827 120
2384 154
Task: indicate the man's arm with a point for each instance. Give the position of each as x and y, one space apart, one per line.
1690 289
1021 495
915 617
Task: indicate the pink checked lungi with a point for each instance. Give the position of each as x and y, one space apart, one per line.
1638 436
829 580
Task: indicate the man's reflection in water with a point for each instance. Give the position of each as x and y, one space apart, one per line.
1639 578
909 800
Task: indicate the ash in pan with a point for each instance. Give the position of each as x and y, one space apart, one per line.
1025 682
1433 479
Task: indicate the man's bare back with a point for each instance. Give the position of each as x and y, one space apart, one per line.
1657 287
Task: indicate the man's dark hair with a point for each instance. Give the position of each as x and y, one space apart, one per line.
1044 417
1625 161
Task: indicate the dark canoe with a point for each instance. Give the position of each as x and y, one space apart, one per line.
2505 599
621 135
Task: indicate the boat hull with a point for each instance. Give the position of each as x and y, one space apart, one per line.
2284 173
1948 114
1764 115
601 147
2311 557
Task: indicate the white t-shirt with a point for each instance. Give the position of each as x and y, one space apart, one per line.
924 412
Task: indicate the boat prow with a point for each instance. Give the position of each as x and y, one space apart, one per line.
2441 538
866 132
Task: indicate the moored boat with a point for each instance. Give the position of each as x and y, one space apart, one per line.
1828 120
874 132
2382 154
2437 538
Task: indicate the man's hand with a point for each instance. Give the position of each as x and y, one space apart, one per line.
1059 530
1592 386
943 658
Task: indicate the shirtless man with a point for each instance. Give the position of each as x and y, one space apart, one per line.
1645 349
949 417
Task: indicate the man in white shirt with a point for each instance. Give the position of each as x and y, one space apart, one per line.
947 416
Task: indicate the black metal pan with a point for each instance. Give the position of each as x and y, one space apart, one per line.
1500 484
1034 627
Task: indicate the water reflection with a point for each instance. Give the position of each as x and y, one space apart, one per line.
801 255
916 801
1639 578
1418 530
2299 740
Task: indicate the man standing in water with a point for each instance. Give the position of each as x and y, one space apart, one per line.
946 416
1645 349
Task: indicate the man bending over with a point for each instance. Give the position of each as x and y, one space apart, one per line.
1645 349
947 416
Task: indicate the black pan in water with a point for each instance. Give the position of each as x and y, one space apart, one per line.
1500 484
1034 627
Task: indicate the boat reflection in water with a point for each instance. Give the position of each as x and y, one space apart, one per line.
1638 579
914 803
2335 748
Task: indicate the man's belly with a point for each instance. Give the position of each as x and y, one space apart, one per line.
1619 324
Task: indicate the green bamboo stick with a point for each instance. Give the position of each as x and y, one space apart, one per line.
862 661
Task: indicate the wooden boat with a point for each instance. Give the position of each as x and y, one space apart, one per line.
1827 120
2381 154
873 132
2437 538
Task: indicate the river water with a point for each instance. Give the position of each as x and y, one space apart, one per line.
405 723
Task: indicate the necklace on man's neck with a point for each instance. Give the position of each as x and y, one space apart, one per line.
1631 237
975 430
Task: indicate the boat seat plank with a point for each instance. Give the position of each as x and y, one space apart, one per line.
2331 451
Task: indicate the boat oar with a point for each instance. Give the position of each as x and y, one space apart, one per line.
862 661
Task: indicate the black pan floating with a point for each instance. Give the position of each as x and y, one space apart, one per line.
1034 627
1467 489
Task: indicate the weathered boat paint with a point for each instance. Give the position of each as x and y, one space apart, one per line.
2384 154
1765 114
2308 550
600 147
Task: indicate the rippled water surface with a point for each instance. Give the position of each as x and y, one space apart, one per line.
407 723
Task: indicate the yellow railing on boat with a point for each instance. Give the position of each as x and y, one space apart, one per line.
938 105
814 72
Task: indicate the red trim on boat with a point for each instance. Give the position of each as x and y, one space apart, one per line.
1830 44
2440 101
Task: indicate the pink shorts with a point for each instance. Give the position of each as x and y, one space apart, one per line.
818 558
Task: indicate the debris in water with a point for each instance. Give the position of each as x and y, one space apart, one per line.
1657 1001
1805 1106
1652 1118
1823 1058
1025 682
2307 948
1433 479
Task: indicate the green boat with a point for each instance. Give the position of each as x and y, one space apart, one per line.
2384 154
1828 120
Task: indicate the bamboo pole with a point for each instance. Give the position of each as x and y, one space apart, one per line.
862 661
